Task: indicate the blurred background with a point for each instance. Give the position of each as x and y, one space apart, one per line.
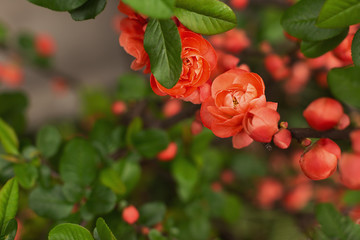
87 52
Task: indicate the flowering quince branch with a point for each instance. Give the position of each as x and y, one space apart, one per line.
233 104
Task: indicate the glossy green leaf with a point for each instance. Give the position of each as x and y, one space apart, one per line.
205 16
150 142
186 176
355 49
69 231
161 9
26 174
163 45
329 219
50 203
337 13
89 10
59 5
156 235
134 127
101 200
48 141
8 138
152 213
316 49
131 87
231 208
129 172
78 163
112 179
10 230
351 197
299 21
9 197
344 84
103 231
73 193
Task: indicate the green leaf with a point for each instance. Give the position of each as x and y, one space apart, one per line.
186 176
299 21
152 213
355 49
110 138
9 196
329 219
50 203
316 49
201 141
351 198
161 9
232 208
110 178
134 127
150 142
59 5
344 84
337 13
72 192
10 230
48 141
163 45
69 231
89 10
205 16
103 231
129 172
8 138
101 200
131 87
26 174
156 235
78 163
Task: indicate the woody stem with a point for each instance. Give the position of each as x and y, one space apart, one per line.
301 133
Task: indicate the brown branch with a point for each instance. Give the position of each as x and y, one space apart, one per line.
301 133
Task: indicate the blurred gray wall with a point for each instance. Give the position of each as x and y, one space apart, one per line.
88 51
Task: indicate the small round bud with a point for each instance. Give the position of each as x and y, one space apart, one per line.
284 125
130 214
323 113
355 140
349 167
282 138
306 142
118 107
321 160
169 153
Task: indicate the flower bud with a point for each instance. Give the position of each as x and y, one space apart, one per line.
298 197
44 45
172 107
320 161
282 138
276 66
323 113
130 214
355 140
169 153
344 122
306 142
349 167
118 107
269 190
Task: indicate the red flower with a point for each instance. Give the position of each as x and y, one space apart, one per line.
132 37
237 107
199 59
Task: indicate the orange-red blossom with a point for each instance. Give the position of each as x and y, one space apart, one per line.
199 60
237 108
